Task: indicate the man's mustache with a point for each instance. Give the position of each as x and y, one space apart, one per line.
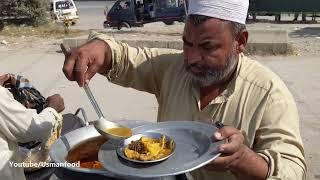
202 67
197 65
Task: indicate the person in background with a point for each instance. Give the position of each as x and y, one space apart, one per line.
19 124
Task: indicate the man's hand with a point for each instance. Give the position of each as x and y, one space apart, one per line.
81 64
7 80
237 157
56 102
3 79
231 151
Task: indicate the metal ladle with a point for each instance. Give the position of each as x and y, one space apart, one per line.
101 125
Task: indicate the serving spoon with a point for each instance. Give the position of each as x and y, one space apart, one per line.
106 128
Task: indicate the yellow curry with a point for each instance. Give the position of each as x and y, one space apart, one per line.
122 132
149 149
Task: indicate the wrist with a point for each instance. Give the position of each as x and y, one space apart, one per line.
107 64
246 162
241 157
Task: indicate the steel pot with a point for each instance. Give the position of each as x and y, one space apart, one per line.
61 147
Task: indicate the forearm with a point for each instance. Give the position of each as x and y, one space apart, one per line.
41 125
108 57
138 68
250 166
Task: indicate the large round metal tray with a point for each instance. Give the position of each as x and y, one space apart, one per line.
194 149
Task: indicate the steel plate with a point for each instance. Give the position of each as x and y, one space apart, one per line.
194 149
124 143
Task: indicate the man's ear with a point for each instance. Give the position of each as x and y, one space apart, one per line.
242 41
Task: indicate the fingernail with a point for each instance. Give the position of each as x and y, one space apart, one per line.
217 135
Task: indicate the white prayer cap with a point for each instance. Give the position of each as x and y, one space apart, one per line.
230 10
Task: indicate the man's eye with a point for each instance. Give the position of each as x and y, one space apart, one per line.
208 47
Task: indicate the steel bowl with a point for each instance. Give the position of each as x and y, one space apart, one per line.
124 143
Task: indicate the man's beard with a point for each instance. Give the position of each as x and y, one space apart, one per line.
209 76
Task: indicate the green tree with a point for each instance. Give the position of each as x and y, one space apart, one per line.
33 10
38 11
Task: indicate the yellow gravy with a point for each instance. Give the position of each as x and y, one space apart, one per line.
122 132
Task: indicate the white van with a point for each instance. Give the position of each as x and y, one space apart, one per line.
62 10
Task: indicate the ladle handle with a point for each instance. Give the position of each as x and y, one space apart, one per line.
93 101
66 50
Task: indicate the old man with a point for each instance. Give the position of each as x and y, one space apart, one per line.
210 81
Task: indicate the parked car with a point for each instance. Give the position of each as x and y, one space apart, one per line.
64 10
130 13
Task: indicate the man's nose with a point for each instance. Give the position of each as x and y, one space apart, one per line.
193 55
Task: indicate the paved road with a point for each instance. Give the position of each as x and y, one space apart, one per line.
91 14
43 67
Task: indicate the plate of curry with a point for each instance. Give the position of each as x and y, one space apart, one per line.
190 146
147 147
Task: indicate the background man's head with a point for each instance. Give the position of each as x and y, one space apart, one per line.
214 36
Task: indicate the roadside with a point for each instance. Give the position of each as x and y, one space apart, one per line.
20 37
303 38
